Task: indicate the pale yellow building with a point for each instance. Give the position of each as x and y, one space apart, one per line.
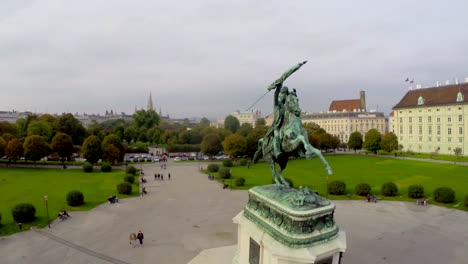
347 116
247 117
433 120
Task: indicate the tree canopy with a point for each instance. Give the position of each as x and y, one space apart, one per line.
63 145
389 142
92 149
145 119
355 141
231 123
211 144
235 145
372 140
35 148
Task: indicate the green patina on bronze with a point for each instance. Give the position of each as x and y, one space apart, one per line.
294 225
287 137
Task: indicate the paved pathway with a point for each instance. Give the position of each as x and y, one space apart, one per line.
188 214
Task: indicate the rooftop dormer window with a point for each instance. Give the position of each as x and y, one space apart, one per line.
460 97
420 100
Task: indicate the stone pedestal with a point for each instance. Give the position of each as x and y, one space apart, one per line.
288 226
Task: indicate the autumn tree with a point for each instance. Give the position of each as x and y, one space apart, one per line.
115 140
231 123
355 141
111 153
260 122
235 145
92 149
211 144
3 145
245 129
389 142
8 136
35 148
6 127
63 145
14 150
252 140
372 140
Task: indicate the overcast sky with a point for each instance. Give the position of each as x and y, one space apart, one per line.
210 58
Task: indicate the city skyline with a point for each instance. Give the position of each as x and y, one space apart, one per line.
209 59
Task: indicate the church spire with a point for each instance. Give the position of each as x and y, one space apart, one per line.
150 103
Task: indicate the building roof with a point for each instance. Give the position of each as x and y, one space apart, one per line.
434 96
349 105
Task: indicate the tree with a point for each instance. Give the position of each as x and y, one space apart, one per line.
260 122
115 140
6 127
325 141
252 140
231 123
111 153
94 128
389 142
69 125
35 148
211 144
3 145
8 136
130 133
245 129
63 145
204 122
334 142
314 140
92 149
154 135
40 128
14 150
146 119
311 127
235 145
355 141
372 140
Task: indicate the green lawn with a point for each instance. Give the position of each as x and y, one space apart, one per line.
29 185
354 169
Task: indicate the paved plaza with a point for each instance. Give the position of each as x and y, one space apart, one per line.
189 214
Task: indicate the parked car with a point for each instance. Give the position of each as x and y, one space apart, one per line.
177 159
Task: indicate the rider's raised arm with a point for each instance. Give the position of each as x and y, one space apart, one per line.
278 83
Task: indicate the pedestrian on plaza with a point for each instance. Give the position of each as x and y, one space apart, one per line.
162 177
169 176
140 237
133 238
155 176
368 197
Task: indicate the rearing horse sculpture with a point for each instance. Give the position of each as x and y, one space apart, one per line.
287 133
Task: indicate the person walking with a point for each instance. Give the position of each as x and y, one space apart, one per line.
169 176
140 237
133 238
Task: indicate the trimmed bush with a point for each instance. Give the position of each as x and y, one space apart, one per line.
224 173
466 202
415 191
243 162
239 181
88 167
337 187
75 198
124 188
213 168
363 189
106 167
23 213
131 170
444 195
389 189
228 163
129 178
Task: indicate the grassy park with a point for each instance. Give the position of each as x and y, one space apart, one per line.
30 185
355 169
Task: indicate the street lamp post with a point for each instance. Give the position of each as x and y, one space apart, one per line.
46 198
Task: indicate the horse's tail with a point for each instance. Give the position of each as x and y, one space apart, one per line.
259 153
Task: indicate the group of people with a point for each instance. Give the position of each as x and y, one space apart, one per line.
422 201
372 198
63 215
160 176
134 237
113 199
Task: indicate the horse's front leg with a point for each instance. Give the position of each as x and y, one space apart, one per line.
273 172
283 180
317 152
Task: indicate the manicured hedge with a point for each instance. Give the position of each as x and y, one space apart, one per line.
129 178
225 173
131 170
228 163
240 181
75 198
415 191
124 188
213 168
23 213
389 189
88 167
337 187
106 167
444 195
363 189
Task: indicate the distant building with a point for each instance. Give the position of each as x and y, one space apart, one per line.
433 119
247 117
12 116
347 116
